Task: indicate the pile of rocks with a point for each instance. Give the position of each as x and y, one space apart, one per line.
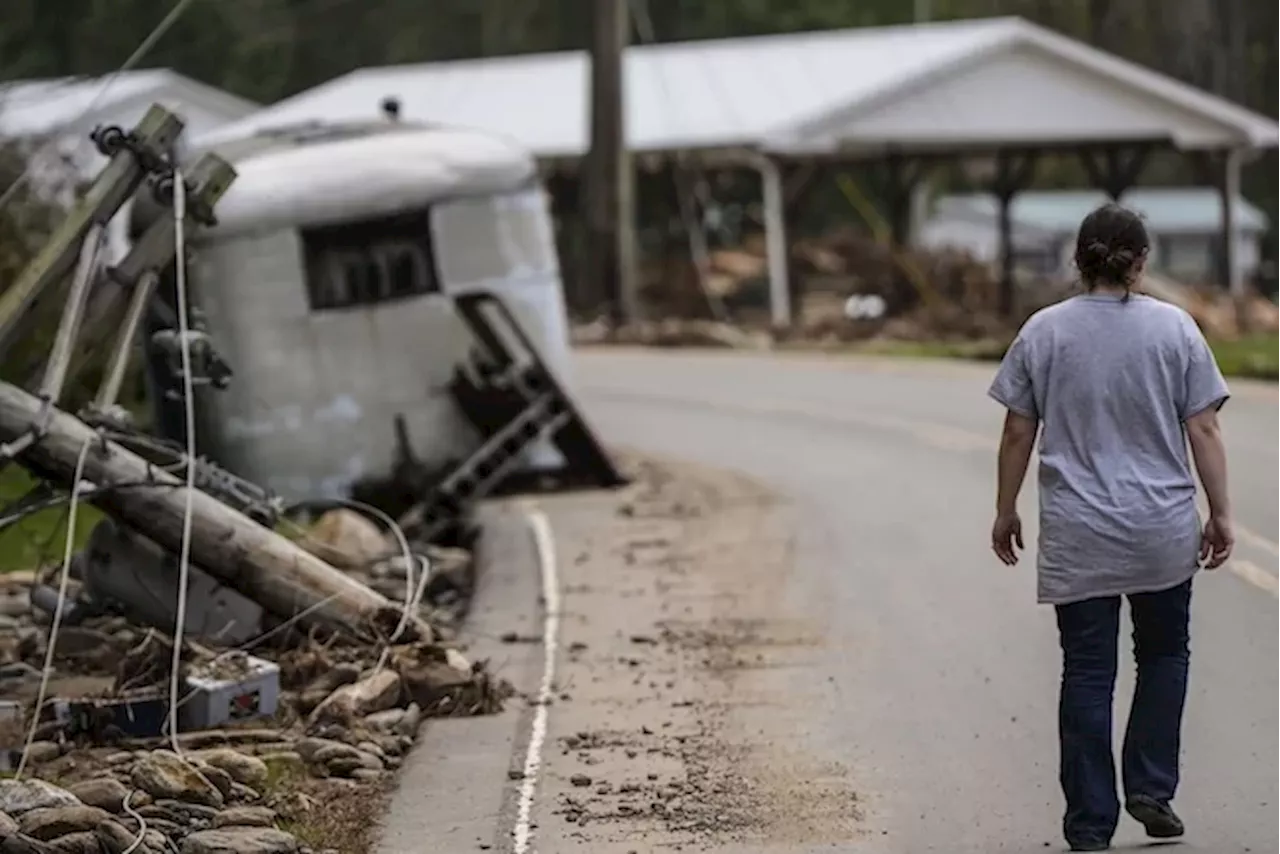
153 803
348 712
227 790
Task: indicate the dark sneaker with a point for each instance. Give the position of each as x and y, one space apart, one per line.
1097 845
1159 819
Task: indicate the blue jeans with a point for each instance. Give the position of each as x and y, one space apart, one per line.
1089 633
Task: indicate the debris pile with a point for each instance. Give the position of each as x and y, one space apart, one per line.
920 295
293 704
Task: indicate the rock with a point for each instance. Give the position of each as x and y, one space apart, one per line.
49 823
244 794
105 793
220 779
309 747
580 780
372 749
14 601
346 766
379 692
19 844
457 660
187 812
240 840
7 825
335 750
43 751
246 817
389 721
428 676
246 770
21 796
389 744
124 757
284 762
113 838
345 539
162 774
411 721
81 842
365 775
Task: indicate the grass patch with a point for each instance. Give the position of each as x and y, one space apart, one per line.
39 539
1254 357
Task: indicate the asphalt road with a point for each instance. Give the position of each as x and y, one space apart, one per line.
944 669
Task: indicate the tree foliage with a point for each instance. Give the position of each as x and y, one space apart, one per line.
270 49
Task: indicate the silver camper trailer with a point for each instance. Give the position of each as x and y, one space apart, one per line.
328 284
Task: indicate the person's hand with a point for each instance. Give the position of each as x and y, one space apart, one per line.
1005 534
1216 542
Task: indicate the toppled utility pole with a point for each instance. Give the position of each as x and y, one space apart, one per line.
256 561
133 155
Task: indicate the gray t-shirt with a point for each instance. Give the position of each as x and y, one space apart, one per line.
1112 383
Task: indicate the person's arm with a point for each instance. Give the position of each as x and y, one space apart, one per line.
1017 439
1210 455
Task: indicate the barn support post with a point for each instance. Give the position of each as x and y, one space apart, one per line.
800 179
773 198
1229 191
1222 169
1114 169
902 176
1014 171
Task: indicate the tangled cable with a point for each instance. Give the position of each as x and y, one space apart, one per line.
62 598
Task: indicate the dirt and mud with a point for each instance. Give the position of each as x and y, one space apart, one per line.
682 673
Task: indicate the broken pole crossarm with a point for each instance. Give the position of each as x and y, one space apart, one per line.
113 379
210 179
268 568
115 184
55 373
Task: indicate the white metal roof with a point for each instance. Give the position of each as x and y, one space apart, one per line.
372 171
37 107
790 91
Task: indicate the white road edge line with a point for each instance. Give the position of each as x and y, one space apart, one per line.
543 540
1255 575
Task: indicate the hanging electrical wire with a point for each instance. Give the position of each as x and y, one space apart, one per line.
188 393
413 591
134 58
65 575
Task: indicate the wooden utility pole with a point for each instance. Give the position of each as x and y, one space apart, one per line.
261 564
607 174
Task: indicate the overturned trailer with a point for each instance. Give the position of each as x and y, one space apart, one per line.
344 284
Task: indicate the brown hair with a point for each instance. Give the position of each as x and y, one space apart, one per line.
1110 247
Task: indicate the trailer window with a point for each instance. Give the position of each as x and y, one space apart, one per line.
490 239
370 262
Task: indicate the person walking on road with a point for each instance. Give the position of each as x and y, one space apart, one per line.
1116 384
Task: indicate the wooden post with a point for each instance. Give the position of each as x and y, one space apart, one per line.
608 179
261 564
1013 172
